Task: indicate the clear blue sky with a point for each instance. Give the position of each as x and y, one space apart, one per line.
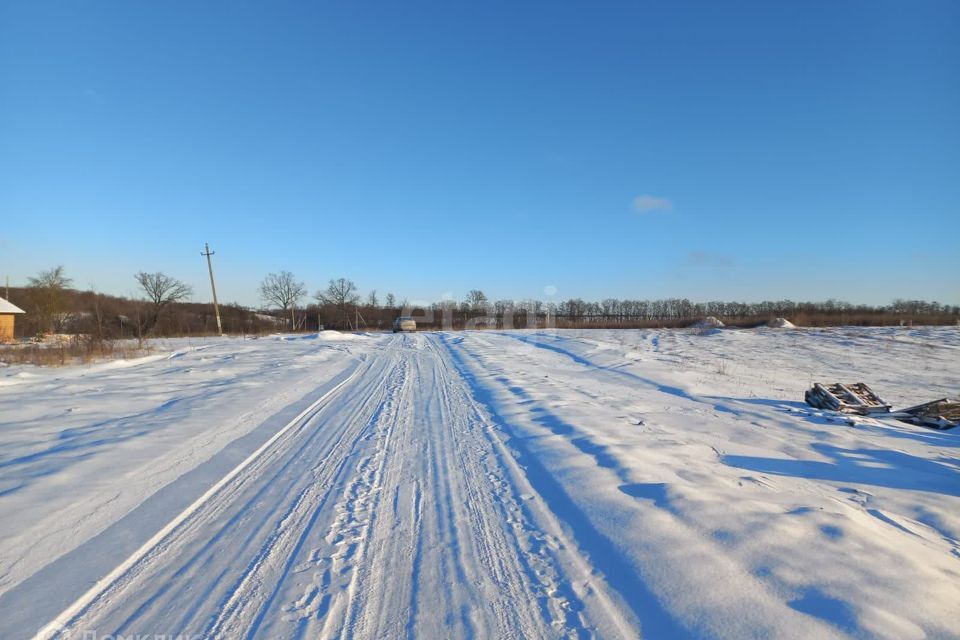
713 150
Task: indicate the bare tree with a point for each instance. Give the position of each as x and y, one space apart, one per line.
54 278
48 289
372 299
162 291
97 312
282 290
341 293
477 300
391 301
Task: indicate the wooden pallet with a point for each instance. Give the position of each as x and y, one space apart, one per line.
846 398
939 414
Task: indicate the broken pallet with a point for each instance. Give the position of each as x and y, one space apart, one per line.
846 398
939 414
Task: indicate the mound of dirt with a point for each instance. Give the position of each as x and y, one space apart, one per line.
781 323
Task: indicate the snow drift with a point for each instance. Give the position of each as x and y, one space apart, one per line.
781 323
710 322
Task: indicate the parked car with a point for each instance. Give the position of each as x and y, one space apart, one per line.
404 323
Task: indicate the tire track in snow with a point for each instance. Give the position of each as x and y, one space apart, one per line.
504 551
645 575
608 573
187 522
282 549
358 514
393 510
450 550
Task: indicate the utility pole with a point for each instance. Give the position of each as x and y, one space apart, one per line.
213 287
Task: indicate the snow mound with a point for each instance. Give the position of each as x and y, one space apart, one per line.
781 323
710 322
328 335
337 335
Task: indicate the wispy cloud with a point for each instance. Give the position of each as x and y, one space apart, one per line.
704 259
651 204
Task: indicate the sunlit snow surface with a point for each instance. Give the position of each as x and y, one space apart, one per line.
483 484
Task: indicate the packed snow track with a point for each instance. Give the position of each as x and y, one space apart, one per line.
477 485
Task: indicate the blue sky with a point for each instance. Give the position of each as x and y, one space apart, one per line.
748 150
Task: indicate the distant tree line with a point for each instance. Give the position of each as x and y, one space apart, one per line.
478 312
672 312
165 309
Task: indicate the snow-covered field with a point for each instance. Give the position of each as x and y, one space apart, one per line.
483 484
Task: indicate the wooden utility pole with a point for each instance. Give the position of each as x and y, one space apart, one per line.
213 287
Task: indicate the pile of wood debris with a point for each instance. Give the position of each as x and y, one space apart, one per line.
860 399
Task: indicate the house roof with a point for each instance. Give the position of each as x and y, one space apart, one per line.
8 307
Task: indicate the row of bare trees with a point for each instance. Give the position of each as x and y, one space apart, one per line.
477 311
339 304
55 307
677 311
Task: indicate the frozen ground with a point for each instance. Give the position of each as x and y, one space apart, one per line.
485 484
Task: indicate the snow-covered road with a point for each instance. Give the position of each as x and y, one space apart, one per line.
481 484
